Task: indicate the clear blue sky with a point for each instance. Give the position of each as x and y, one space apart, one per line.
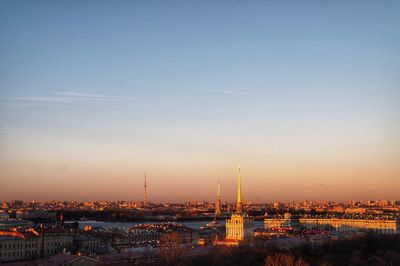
304 95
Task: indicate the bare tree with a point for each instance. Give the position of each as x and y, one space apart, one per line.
171 248
280 259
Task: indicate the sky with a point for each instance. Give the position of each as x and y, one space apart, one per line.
305 96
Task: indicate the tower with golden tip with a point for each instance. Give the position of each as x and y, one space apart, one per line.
240 227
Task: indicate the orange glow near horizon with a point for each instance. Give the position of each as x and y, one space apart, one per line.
172 180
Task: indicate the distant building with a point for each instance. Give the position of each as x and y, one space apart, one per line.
287 221
14 224
337 208
355 210
85 242
37 215
4 216
386 226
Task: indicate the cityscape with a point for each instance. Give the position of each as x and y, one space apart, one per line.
146 233
253 133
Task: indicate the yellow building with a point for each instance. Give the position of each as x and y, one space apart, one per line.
378 225
386 226
281 222
240 227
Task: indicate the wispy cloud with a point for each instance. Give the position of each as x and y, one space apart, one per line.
228 92
37 99
63 97
81 95
74 96
217 91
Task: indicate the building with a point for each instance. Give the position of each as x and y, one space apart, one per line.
240 227
4 216
14 224
41 215
354 210
31 244
85 242
385 226
279 222
378 225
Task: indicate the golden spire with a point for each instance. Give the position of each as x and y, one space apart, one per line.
239 207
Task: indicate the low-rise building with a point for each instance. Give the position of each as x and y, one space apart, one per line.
375 224
355 210
15 224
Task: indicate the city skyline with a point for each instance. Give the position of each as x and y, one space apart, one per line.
231 196
304 96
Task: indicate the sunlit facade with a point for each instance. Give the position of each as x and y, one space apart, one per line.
377 225
240 227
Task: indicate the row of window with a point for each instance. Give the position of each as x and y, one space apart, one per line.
30 245
28 253
18 253
18 245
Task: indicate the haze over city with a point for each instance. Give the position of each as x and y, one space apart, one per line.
305 98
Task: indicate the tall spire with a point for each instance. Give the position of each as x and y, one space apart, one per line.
218 207
145 190
219 192
239 207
